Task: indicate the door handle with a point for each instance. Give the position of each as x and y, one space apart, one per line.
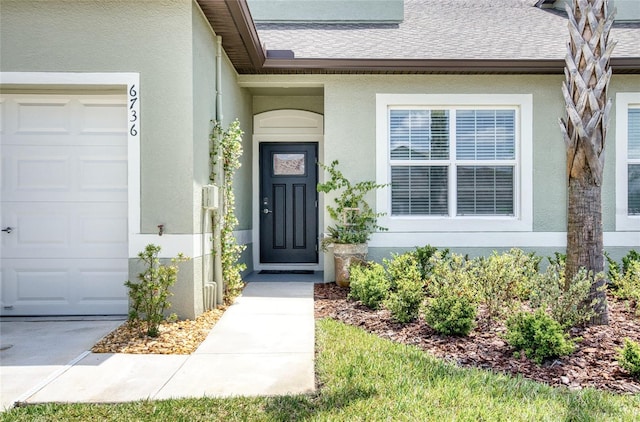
266 211
8 230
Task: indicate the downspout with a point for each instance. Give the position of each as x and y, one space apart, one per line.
217 244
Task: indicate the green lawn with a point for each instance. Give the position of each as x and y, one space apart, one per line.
366 378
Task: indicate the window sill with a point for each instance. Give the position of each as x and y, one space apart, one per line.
455 224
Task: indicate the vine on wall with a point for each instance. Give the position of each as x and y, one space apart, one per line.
226 149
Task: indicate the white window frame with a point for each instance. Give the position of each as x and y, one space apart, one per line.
522 220
624 221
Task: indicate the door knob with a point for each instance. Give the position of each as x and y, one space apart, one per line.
266 211
8 230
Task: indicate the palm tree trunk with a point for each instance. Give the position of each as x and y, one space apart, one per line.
587 76
585 243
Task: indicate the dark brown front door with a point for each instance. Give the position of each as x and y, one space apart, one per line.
288 203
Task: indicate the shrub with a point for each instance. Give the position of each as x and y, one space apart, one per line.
401 267
568 307
369 284
404 303
453 275
406 287
629 258
450 314
150 297
629 358
558 259
538 335
501 279
626 278
452 309
423 255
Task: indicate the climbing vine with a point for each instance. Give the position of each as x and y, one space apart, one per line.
226 146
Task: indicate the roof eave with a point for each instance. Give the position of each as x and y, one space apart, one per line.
551 66
248 56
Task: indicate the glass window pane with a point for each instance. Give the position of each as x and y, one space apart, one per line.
419 134
485 190
400 134
634 133
419 190
288 164
485 134
634 189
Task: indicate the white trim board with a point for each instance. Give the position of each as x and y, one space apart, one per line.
624 221
493 240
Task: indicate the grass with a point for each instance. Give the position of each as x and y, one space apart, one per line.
365 378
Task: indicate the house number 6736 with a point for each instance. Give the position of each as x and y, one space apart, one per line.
133 111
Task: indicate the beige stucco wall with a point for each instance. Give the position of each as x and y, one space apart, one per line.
350 126
349 107
172 47
122 36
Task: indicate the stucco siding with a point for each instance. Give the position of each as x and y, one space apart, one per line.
350 103
121 36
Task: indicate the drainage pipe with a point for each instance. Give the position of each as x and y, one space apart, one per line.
219 213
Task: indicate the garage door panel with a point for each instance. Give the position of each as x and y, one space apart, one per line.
54 230
64 120
59 174
41 173
103 176
64 193
43 115
63 286
102 116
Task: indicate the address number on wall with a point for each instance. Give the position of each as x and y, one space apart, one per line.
134 111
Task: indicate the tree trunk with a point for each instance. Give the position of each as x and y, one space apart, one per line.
587 76
584 228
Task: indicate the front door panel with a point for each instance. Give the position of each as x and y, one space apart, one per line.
288 203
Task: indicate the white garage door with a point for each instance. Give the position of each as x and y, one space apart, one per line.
63 204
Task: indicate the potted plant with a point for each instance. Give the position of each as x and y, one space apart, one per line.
355 220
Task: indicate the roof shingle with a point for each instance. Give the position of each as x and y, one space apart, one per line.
444 30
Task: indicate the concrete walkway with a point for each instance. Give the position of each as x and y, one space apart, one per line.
262 345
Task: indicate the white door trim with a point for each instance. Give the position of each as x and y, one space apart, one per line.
128 81
284 126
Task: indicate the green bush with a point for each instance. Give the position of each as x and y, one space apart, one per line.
629 358
369 284
568 305
455 274
625 279
629 282
150 296
453 307
407 287
538 335
400 267
423 255
503 278
558 259
404 303
450 314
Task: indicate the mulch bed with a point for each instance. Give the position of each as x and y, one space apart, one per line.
593 364
176 338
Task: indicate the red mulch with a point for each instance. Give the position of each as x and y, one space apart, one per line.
593 364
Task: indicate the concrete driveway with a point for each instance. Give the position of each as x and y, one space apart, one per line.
262 346
35 350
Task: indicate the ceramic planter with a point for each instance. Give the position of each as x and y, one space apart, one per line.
344 255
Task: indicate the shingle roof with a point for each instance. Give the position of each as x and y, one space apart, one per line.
437 36
444 30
